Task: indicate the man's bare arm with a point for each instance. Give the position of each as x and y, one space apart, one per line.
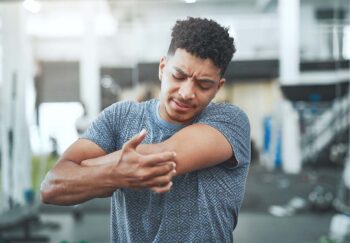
197 146
70 182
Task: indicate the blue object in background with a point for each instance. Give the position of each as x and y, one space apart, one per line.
29 196
278 149
267 134
272 142
315 99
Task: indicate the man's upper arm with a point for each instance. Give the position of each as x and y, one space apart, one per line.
221 133
198 146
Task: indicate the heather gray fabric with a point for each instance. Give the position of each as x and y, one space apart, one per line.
202 206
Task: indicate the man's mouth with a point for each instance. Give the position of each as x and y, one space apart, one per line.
181 106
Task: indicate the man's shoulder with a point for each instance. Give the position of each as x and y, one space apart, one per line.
129 105
132 103
223 109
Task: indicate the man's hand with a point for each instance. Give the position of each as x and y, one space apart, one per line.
85 171
133 170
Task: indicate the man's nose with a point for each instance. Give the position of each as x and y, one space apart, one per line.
186 90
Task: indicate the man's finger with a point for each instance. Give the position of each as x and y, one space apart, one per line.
155 159
158 171
162 189
136 140
160 181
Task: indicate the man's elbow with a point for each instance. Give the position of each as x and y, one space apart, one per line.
47 191
44 196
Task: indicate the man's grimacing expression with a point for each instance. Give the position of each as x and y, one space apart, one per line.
188 84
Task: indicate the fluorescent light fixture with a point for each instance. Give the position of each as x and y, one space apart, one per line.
32 6
59 25
190 1
346 41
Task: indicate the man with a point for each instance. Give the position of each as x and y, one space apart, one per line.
185 182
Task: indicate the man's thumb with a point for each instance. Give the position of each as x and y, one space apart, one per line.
136 140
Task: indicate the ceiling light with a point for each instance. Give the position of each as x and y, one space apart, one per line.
190 1
32 6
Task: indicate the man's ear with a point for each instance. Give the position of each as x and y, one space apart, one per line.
162 63
221 83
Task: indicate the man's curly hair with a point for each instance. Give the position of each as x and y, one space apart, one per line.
205 39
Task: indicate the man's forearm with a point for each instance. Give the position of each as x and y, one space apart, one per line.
69 183
85 171
197 146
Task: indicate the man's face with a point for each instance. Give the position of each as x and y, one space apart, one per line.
189 83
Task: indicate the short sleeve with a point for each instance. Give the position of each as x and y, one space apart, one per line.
102 131
233 123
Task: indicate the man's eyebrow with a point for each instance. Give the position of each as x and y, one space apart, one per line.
179 70
206 81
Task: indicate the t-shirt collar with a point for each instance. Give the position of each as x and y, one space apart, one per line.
166 123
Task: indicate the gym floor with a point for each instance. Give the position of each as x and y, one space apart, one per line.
89 222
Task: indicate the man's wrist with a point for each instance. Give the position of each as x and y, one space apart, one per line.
110 178
106 159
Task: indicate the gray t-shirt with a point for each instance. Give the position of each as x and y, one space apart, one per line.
203 205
